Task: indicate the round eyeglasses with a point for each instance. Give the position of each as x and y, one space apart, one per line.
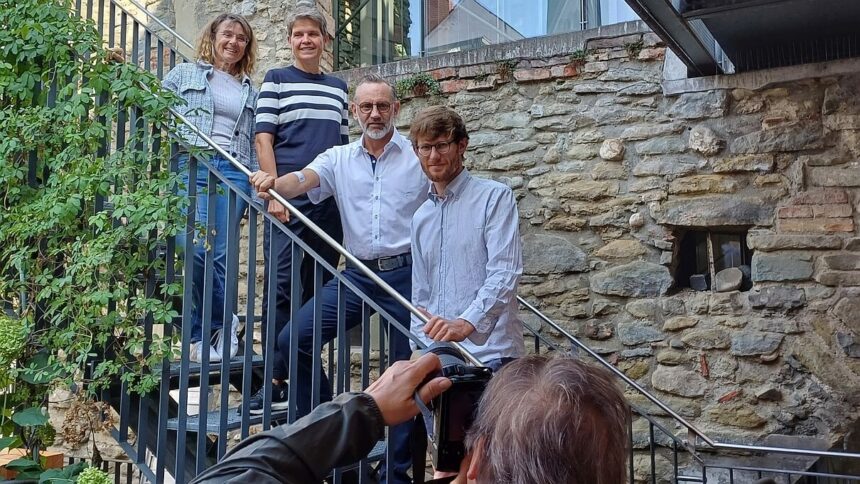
442 148
367 108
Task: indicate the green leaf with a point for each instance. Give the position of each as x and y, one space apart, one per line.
23 465
31 417
9 443
39 370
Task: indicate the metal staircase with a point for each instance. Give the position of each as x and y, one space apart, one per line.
167 443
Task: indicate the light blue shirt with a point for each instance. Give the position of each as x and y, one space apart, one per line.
376 207
467 263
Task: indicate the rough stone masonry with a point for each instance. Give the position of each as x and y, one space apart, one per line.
609 173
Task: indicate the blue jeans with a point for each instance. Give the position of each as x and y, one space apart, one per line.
219 230
401 280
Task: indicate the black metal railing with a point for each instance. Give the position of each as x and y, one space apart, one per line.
171 441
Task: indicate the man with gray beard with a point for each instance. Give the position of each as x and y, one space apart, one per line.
378 184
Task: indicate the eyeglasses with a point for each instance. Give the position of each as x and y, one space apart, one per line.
441 148
367 108
230 36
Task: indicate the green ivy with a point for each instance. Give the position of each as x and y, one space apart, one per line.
420 84
78 227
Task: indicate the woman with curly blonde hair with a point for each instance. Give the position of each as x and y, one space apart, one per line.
219 101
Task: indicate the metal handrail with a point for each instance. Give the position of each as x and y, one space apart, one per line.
412 309
691 429
351 259
160 23
656 401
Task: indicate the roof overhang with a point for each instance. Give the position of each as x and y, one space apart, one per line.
725 36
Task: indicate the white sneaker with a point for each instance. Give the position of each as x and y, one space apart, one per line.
197 353
234 340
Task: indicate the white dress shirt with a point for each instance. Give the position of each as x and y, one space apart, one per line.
467 262
376 206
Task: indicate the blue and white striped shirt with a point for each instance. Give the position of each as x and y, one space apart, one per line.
306 112
467 263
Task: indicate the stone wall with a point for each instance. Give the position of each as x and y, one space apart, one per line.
609 173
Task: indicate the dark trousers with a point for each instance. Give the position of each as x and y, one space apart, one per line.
280 259
401 280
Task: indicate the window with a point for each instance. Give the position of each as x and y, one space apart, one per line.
378 31
704 254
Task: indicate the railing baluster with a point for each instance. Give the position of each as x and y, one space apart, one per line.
112 25
250 306
268 333
147 51
297 255
651 448
343 343
227 330
630 459
316 347
135 43
208 240
184 363
100 18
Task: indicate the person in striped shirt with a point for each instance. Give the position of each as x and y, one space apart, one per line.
301 112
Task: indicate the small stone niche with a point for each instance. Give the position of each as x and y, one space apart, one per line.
713 260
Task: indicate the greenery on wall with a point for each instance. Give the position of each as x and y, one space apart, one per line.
80 219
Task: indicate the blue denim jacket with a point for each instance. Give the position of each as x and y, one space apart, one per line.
191 82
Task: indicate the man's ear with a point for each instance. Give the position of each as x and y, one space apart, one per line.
462 145
476 460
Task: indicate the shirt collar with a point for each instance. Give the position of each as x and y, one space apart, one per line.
455 188
397 140
208 68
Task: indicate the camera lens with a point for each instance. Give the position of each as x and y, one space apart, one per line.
452 360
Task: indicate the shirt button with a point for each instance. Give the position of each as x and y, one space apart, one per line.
236 133
376 197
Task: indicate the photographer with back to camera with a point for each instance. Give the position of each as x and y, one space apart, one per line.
541 420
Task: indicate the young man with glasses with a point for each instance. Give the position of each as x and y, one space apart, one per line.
301 112
467 255
378 185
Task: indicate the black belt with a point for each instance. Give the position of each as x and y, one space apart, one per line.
384 264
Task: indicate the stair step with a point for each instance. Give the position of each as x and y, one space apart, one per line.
213 421
377 452
236 363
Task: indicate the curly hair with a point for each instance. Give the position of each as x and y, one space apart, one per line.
206 43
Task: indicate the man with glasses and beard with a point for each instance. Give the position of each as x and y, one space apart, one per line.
378 184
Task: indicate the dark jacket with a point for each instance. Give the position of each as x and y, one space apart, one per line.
335 434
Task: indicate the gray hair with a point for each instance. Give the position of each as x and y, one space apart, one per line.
549 420
375 79
306 10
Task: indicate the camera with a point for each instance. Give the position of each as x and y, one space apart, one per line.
454 410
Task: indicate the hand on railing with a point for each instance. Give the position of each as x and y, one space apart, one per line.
440 329
262 183
278 211
394 391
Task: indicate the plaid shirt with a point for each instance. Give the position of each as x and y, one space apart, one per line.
191 82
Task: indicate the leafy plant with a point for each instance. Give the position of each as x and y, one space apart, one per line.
505 69
634 48
91 475
419 84
579 56
79 223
